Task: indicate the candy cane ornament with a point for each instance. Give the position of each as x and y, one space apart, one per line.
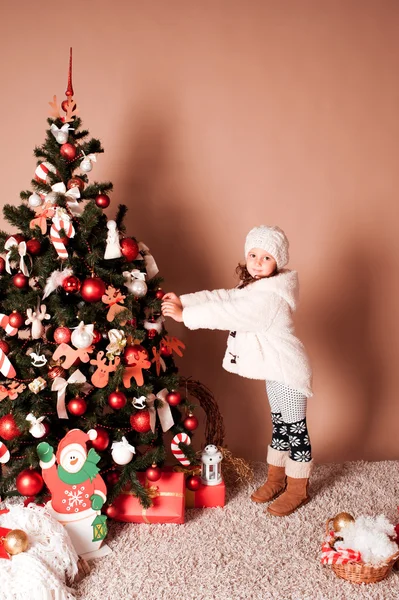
61 221
177 452
4 324
6 367
4 453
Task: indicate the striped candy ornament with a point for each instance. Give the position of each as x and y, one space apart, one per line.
42 171
57 225
177 452
4 453
4 324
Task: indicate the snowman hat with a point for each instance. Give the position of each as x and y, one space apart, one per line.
76 439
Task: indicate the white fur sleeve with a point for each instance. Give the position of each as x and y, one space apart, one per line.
238 314
204 296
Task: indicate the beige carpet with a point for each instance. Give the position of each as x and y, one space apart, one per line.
239 553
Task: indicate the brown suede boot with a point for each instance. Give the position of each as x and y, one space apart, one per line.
276 479
296 493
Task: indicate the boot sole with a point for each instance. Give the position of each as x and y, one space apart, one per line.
275 514
263 501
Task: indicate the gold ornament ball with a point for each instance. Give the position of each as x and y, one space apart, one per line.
341 520
15 541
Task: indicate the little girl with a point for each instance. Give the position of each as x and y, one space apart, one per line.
262 345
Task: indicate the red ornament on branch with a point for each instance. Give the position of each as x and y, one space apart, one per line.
29 482
112 477
16 319
159 294
102 440
102 201
20 281
77 406
62 335
97 337
140 422
132 354
76 182
117 400
56 371
173 398
165 351
34 247
190 422
153 473
93 289
2 265
129 249
8 428
71 284
68 151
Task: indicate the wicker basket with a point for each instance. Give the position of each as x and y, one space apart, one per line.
358 572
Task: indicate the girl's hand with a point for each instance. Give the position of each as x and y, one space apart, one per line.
172 310
170 296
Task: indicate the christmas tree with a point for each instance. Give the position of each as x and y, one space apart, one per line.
82 339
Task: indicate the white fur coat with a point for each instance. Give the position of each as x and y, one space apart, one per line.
261 343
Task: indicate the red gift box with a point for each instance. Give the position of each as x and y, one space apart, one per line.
168 503
207 496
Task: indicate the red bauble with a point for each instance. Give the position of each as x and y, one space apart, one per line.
76 182
68 151
29 482
111 511
131 354
97 337
159 294
153 473
190 422
65 105
77 406
151 333
2 265
34 247
47 428
129 249
102 201
62 335
193 482
8 428
93 289
112 477
71 284
20 281
117 400
102 440
141 421
4 346
173 398
16 319
165 350
56 371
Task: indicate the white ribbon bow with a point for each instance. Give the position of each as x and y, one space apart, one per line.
123 444
60 133
149 261
73 194
60 385
33 421
164 412
117 341
135 274
10 243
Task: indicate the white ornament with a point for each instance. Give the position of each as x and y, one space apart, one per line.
35 200
38 360
140 403
135 282
122 452
117 343
82 337
37 429
35 319
86 164
113 248
55 280
60 134
211 458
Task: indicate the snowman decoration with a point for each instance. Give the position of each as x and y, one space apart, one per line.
77 490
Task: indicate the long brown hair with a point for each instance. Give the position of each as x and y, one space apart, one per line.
245 276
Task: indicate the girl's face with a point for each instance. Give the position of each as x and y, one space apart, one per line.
260 263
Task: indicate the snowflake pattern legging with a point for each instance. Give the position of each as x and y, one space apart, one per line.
290 431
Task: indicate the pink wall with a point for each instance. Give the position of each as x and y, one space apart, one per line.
219 115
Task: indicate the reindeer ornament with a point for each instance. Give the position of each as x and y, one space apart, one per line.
35 319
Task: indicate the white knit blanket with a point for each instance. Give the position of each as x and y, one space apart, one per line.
42 571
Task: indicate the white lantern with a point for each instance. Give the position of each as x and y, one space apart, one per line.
211 458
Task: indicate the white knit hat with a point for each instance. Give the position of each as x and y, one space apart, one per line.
270 239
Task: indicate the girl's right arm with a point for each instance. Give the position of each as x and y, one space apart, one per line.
204 296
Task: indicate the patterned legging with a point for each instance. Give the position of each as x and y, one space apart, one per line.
290 431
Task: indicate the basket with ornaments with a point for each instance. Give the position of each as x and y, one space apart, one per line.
361 550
